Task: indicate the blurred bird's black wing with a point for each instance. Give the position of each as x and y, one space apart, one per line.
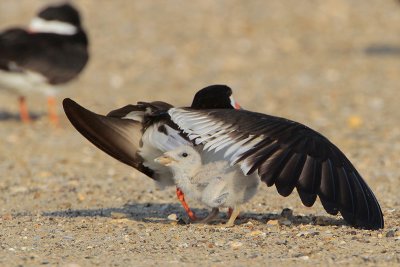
288 155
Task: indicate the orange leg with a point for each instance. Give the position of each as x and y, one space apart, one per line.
181 198
51 102
23 110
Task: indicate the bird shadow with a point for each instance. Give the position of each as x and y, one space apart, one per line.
159 212
144 212
287 218
10 116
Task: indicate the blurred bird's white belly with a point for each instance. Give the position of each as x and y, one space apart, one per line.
24 83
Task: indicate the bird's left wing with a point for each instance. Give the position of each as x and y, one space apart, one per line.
287 154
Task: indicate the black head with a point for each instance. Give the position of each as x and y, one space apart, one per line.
213 96
64 13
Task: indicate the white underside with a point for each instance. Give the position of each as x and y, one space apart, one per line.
25 83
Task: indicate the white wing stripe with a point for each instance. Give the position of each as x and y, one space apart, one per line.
214 134
224 144
245 148
217 142
236 146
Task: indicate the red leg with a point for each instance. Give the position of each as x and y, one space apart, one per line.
181 198
51 102
23 110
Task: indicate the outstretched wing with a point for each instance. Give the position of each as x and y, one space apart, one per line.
117 137
287 154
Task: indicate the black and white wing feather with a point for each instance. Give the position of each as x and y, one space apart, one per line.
288 155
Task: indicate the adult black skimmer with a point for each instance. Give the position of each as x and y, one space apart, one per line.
131 135
215 184
50 52
281 152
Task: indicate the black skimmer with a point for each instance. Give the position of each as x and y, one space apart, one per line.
129 135
215 184
52 51
281 152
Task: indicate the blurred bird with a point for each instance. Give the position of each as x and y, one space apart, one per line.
136 135
214 184
49 53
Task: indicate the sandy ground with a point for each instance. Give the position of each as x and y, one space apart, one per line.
333 65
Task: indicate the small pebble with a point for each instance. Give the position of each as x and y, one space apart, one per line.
236 244
391 233
257 233
281 242
172 217
285 222
307 233
183 245
219 243
272 222
81 197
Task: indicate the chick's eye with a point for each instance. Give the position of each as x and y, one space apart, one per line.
184 154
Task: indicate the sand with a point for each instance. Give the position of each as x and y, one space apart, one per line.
332 65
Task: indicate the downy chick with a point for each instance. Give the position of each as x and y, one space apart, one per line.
215 184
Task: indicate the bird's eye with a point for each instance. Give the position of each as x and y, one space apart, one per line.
184 154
